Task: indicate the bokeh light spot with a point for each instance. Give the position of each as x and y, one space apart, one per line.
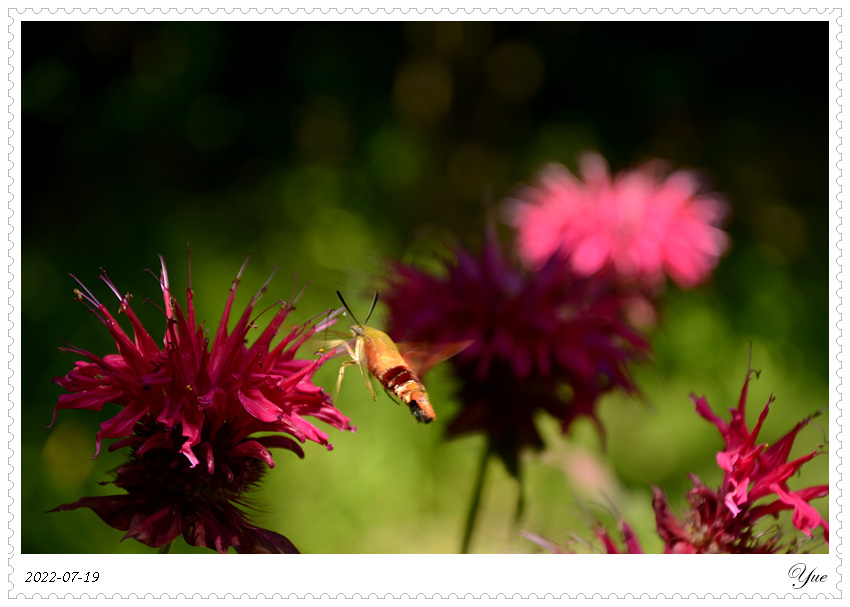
323 127
64 454
514 70
423 91
396 158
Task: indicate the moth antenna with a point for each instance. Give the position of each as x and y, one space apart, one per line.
350 313
372 309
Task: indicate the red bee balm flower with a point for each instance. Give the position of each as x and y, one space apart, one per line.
190 413
640 225
724 520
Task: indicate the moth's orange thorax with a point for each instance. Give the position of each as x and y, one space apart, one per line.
380 350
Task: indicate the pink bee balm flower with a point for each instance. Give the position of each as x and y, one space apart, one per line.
723 520
190 411
640 225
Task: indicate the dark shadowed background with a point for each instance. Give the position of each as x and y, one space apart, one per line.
329 148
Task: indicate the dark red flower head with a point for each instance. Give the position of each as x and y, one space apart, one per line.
190 411
547 339
754 485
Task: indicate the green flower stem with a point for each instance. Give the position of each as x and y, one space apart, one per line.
520 500
476 499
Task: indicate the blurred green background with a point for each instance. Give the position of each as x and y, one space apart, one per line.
328 148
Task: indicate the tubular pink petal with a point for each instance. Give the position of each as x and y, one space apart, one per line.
186 449
192 422
123 423
144 343
90 399
259 406
131 441
281 442
252 448
160 440
308 430
155 529
208 456
805 516
779 473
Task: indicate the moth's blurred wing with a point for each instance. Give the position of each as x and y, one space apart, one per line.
330 343
423 356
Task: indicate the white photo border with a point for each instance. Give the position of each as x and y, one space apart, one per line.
430 576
